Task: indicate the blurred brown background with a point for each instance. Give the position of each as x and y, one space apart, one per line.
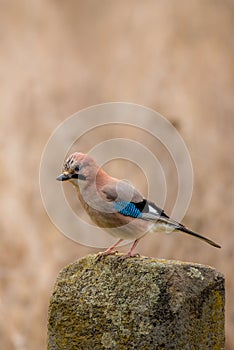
60 56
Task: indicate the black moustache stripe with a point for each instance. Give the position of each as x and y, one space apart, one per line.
78 176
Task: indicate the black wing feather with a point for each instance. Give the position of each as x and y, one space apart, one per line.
143 206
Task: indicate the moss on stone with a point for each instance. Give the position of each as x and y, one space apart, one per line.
138 303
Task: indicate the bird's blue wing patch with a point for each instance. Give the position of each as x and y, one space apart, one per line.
127 209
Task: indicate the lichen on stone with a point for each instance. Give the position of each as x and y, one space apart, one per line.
195 273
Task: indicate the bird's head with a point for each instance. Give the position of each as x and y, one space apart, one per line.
78 166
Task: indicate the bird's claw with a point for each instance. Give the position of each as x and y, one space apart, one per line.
100 255
128 255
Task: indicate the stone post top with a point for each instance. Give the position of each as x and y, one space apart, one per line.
139 264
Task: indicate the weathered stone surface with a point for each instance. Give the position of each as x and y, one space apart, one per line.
138 303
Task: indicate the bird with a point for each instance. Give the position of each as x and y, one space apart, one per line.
116 205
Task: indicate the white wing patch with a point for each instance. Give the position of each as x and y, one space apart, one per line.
153 210
152 214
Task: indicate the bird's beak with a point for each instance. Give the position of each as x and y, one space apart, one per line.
64 177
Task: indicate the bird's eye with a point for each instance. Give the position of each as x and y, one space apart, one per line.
77 168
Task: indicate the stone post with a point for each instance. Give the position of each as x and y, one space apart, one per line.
136 303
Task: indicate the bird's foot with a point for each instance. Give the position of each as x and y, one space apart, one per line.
128 255
100 255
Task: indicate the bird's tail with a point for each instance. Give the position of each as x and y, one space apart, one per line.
207 240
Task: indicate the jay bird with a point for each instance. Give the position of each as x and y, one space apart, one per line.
115 205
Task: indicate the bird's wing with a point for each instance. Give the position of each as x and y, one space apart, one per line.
138 207
129 202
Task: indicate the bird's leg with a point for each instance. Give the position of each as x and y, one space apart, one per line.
109 251
130 252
